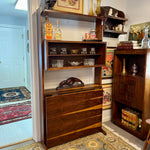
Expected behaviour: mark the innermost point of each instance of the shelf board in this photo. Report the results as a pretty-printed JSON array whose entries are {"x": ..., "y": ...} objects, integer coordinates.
[
  {"x": 129, "y": 75},
  {"x": 117, "y": 18},
  {"x": 130, "y": 130},
  {"x": 50, "y": 92},
  {"x": 73, "y": 67},
  {"x": 131, "y": 51},
  {"x": 74, "y": 55},
  {"x": 69, "y": 15},
  {"x": 75, "y": 42},
  {"x": 115, "y": 32}
]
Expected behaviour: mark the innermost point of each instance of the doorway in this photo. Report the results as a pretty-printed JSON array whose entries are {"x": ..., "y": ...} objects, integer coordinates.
[{"x": 15, "y": 82}]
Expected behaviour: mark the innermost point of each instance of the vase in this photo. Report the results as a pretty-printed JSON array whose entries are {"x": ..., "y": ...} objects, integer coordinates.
[
  {"x": 145, "y": 41},
  {"x": 98, "y": 7},
  {"x": 91, "y": 13},
  {"x": 124, "y": 67}
]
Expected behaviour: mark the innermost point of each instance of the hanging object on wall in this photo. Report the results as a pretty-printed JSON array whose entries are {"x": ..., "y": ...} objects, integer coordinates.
[
  {"x": 91, "y": 13},
  {"x": 98, "y": 7},
  {"x": 50, "y": 4}
]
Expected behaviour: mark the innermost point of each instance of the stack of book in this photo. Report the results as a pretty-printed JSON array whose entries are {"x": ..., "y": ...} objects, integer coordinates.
[
  {"x": 130, "y": 118},
  {"x": 125, "y": 45}
]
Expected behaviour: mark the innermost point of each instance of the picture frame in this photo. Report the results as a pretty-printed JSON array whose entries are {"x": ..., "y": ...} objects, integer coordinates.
[
  {"x": 136, "y": 32},
  {"x": 107, "y": 96},
  {"x": 74, "y": 6},
  {"x": 108, "y": 69}
]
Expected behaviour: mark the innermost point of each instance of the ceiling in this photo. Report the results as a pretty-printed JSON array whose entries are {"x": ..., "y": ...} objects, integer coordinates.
[{"x": 7, "y": 8}]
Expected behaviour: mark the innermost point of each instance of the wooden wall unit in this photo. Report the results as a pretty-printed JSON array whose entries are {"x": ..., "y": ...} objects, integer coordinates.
[
  {"x": 74, "y": 112},
  {"x": 132, "y": 91}
]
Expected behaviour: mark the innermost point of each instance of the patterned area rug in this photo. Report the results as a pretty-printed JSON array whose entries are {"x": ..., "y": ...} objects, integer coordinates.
[
  {"x": 96, "y": 141},
  {"x": 15, "y": 112},
  {"x": 14, "y": 94},
  {"x": 34, "y": 146}
]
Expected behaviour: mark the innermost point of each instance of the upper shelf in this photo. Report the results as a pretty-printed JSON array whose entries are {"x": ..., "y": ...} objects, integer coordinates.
[
  {"x": 75, "y": 42},
  {"x": 117, "y": 32},
  {"x": 69, "y": 15},
  {"x": 117, "y": 18}
]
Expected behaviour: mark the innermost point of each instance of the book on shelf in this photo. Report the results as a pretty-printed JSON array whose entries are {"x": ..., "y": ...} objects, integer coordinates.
[
  {"x": 125, "y": 45},
  {"x": 130, "y": 118}
]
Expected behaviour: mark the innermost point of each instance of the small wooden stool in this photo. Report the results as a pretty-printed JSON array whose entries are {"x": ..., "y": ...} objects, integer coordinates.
[{"x": 148, "y": 136}]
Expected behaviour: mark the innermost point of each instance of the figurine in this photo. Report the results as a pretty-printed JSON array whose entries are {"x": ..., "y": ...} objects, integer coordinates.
[
  {"x": 110, "y": 12},
  {"x": 134, "y": 69},
  {"x": 50, "y": 4}
]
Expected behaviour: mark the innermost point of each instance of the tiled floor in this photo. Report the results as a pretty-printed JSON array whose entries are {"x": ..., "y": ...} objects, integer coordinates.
[{"x": 130, "y": 139}]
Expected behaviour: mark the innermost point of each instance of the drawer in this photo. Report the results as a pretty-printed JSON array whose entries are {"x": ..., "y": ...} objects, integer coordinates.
[
  {"x": 56, "y": 105},
  {"x": 73, "y": 112}
]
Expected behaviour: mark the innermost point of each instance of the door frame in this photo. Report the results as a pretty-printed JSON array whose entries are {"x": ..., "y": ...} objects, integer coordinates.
[{"x": 37, "y": 112}]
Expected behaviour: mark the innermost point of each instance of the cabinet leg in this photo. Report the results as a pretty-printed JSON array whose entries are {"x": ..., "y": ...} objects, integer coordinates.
[{"x": 101, "y": 130}]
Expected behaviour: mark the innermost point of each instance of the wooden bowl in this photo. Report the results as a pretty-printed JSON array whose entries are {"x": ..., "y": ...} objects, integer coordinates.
[{"x": 74, "y": 51}]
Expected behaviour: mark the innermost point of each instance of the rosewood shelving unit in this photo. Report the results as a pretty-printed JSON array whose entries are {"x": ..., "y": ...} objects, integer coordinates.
[
  {"x": 131, "y": 91},
  {"x": 75, "y": 112}
]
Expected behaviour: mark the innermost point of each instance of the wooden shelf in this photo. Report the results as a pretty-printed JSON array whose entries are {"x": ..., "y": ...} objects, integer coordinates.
[
  {"x": 69, "y": 15},
  {"x": 131, "y": 52},
  {"x": 75, "y": 42},
  {"x": 49, "y": 92},
  {"x": 129, "y": 75},
  {"x": 115, "y": 32},
  {"x": 130, "y": 130},
  {"x": 117, "y": 18},
  {"x": 73, "y": 55},
  {"x": 74, "y": 67}
]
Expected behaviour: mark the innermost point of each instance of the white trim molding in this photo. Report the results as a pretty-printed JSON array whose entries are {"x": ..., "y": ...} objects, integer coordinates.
[{"x": 34, "y": 57}]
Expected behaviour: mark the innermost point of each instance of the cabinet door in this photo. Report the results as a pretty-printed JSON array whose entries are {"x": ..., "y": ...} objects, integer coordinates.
[{"x": 128, "y": 91}]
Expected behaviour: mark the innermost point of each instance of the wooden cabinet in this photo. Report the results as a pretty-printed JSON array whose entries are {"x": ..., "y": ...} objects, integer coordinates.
[
  {"x": 74, "y": 112},
  {"x": 131, "y": 91}
]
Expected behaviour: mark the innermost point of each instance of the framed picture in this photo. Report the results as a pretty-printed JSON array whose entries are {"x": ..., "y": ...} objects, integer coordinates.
[
  {"x": 107, "y": 96},
  {"x": 107, "y": 70},
  {"x": 136, "y": 32},
  {"x": 75, "y": 6}
]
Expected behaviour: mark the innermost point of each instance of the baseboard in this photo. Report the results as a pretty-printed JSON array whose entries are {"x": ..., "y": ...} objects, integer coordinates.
[
  {"x": 105, "y": 119},
  {"x": 106, "y": 116}
]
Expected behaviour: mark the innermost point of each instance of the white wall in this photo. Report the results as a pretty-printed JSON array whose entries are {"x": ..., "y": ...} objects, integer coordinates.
[
  {"x": 120, "y": 5},
  {"x": 137, "y": 12}
]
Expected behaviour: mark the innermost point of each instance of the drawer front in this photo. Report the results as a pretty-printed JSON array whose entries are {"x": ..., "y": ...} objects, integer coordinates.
[
  {"x": 56, "y": 105},
  {"x": 74, "y": 112}
]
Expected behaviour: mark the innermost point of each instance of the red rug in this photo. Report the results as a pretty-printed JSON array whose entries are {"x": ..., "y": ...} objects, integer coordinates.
[{"x": 15, "y": 112}]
